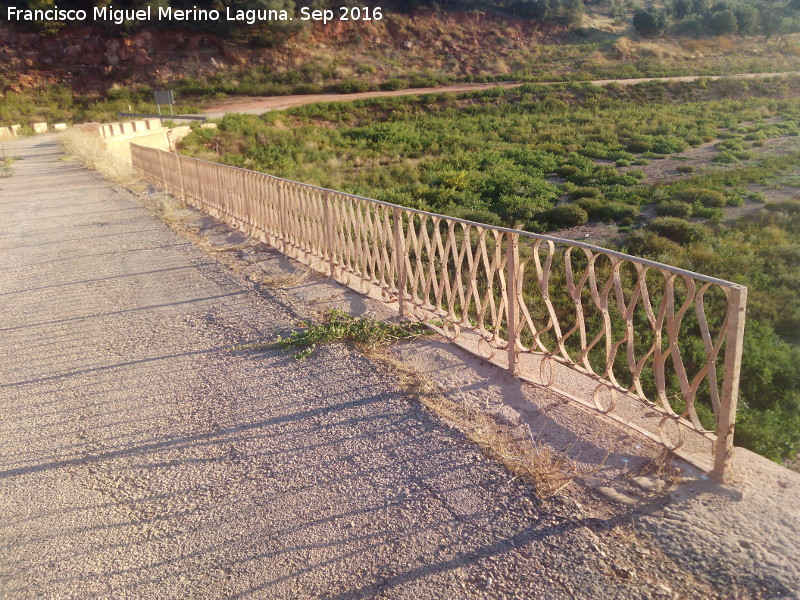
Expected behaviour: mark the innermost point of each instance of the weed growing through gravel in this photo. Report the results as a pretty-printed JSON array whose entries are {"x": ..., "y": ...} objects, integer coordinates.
[
  {"x": 5, "y": 163},
  {"x": 362, "y": 332}
]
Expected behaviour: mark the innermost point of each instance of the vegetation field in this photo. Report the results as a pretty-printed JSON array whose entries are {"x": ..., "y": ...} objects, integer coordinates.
[
  {"x": 57, "y": 103},
  {"x": 549, "y": 158},
  {"x": 91, "y": 75}
]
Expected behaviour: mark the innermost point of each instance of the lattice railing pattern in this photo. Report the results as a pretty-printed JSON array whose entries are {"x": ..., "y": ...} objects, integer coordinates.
[{"x": 652, "y": 346}]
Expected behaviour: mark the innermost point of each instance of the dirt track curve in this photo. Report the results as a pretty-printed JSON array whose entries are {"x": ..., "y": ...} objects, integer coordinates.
[{"x": 257, "y": 106}]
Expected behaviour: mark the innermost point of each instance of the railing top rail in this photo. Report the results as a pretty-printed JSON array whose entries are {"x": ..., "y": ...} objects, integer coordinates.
[{"x": 527, "y": 234}]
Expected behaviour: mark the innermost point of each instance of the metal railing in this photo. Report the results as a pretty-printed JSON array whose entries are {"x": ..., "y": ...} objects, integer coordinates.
[{"x": 651, "y": 346}]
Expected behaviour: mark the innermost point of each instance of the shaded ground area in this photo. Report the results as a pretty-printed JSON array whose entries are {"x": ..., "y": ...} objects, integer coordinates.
[{"x": 141, "y": 458}]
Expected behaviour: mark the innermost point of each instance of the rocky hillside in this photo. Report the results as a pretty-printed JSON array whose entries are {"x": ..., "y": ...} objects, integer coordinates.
[{"x": 89, "y": 59}]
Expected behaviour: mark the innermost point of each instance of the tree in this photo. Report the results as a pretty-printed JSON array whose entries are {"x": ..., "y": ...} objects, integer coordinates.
[
  {"x": 650, "y": 22},
  {"x": 573, "y": 12},
  {"x": 680, "y": 9},
  {"x": 746, "y": 19},
  {"x": 723, "y": 22}
]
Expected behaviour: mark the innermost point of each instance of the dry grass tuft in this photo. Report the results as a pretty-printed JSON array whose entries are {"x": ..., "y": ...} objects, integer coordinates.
[
  {"x": 703, "y": 46},
  {"x": 285, "y": 281},
  {"x": 5, "y": 163},
  {"x": 90, "y": 151},
  {"x": 516, "y": 448},
  {"x": 664, "y": 468}
]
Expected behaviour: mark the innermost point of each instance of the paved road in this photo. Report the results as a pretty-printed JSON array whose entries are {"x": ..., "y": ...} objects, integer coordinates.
[
  {"x": 139, "y": 458},
  {"x": 257, "y": 106}
]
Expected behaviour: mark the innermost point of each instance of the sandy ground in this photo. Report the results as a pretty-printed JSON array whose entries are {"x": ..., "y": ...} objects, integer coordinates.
[{"x": 257, "y": 106}]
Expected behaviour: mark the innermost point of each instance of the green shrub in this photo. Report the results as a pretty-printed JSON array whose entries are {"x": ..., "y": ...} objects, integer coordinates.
[
  {"x": 723, "y": 22},
  {"x": 567, "y": 171},
  {"x": 678, "y": 230},
  {"x": 674, "y": 208},
  {"x": 651, "y": 245},
  {"x": 308, "y": 88},
  {"x": 684, "y": 169},
  {"x": 694, "y": 140},
  {"x": 603, "y": 210},
  {"x": 732, "y": 144},
  {"x": 566, "y": 215},
  {"x": 704, "y": 196},
  {"x": 639, "y": 146},
  {"x": 791, "y": 207},
  {"x": 669, "y": 144},
  {"x": 705, "y": 212},
  {"x": 623, "y": 162},
  {"x": 394, "y": 84},
  {"x": 726, "y": 158},
  {"x": 585, "y": 192},
  {"x": 352, "y": 86},
  {"x": 478, "y": 216},
  {"x": 521, "y": 209},
  {"x": 734, "y": 200}
]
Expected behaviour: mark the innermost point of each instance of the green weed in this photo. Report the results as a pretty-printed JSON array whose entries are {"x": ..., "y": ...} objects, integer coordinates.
[{"x": 363, "y": 333}]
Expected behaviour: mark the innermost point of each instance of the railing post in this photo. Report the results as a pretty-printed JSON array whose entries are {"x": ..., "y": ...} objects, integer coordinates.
[
  {"x": 161, "y": 164},
  {"x": 329, "y": 233},
  {"x": 512, "y": 300},
  {"x": 179, "y": 158},
  {"x": 400, "y": 258},
  {"x": 282, "y": 192},
  {"x": 726, "y": 419}
]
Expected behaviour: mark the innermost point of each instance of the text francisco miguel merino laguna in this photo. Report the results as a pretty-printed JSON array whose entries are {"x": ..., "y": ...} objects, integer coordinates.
[{"x": 119, "y": 16}]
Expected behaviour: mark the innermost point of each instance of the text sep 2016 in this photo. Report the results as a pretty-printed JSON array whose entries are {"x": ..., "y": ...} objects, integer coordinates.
[{"x": 250, "y": 17}]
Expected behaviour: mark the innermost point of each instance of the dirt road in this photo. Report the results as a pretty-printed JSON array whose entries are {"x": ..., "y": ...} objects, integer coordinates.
[{"x": 257, "y": 106}]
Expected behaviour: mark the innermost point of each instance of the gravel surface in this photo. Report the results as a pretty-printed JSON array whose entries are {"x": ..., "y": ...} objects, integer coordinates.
[{"x": 143, "y": 456}]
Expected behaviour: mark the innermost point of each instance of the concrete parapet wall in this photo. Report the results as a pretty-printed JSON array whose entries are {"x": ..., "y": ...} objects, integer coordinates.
[
  {"x": 9, "y": 132},
  {"x": 39, "y": 127},
  {"x": 147, "y": 132},
  {"x": 120, "y": 145}
]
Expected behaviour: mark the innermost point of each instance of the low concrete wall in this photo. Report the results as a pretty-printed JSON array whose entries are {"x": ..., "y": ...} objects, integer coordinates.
[
  {"x": 120, "y": 145},
  {"x": 39, "y": 127},
  {"x": 9, "y": 132},
  {"x": 112, "y": 130},
  {"x": 149, "y": 133}
]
